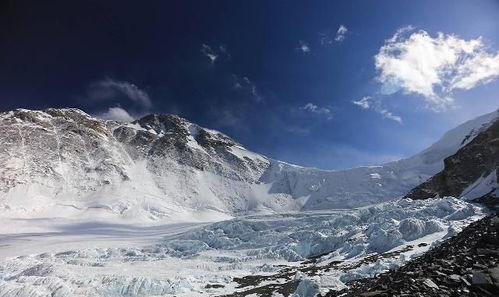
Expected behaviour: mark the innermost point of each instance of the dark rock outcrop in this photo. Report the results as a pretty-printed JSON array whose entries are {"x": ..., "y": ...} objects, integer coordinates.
[
  {"x": 478, "y": 159},
  {"x": 464, "y": 265},
  {"x": 468, "y": 263}
]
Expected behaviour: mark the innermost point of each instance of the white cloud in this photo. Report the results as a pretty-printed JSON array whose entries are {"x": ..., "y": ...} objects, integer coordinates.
[
  {"x": 304, "y": 48},
  {"x": 209, "y": 52},
  {"x": 389, "y": 115},
  {"x": 110, "y": 88},
  {"x": 434, "y": 66},
  {"x": 400, "y": 32},
  {"x": 364, "y": 103},
  {"x": 481, "y": 69},
  {"x": 116, "y": 114},
  {"x": 322, "y": 111},
  {"x": 328, "y": 38},
  {"x": 369, "y": 102},
  {"x": 215, "y": 53},
  {"x": 340, "y": 33}
]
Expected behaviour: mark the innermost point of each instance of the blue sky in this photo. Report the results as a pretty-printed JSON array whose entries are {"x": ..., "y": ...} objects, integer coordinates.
[{"x": 316, "y": 83}]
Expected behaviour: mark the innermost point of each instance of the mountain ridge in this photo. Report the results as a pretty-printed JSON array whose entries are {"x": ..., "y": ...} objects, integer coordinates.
[
  {"x": 470, "y": 173},
  {"x": 59, "y": 161}
]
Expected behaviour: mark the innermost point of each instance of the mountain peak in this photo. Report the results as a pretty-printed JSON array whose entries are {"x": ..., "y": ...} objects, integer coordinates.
[{"x": 162, "y": 164}]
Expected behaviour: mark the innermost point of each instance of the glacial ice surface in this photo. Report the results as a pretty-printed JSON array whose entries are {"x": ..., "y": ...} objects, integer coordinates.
[{"x": 183, "y": 264}]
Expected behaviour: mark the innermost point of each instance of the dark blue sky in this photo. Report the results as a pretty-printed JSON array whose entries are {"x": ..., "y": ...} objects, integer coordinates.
[{"x": 284, "y": 78}]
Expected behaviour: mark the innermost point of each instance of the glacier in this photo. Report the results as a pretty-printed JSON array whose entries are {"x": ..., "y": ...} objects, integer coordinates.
[
  {"x": 161, "y": 206},
  {"x": 207, "y": 259}
]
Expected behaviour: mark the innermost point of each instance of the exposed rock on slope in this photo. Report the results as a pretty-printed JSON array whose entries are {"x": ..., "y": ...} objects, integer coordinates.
[
  {"x": 468, "y": 263},
  {"x": 63, "y": 162},
  {"x": 470, "y": 173},
  {"x": 464, "y": 265},
  {"x": 64, "y": 157}
]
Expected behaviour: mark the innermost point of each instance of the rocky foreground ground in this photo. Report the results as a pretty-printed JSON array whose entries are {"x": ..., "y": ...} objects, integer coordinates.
[{"x": 464, "y": 265}]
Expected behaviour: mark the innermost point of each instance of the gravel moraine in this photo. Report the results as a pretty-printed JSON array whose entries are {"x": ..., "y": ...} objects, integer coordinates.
[{"x": 464, "y": 265}]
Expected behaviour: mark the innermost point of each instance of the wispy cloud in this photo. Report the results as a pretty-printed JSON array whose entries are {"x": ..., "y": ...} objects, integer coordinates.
[
  {"x": 208, "y": 52},
  {"x": 325, "y": 39},
  {"x": 399, "y": 33},
  {"x": 369, "y": 102},
  {"x": 228, "y": 118},
  {"x": 317, "y": 110},
  {"x": 341, "y": 33},
  {"x": 119, "y": 93},
  {"x": 329, "y": 37},
  {"x": 109, "y": 89},
  {"x": 434, "y": 66},
  {"x": 303, "y": 46},
  {"x": 244, "y": 84},
  {"x": 215, "y": 53}
]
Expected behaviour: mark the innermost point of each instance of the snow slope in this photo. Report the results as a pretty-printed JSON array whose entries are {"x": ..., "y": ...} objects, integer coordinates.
[
  {"x": 366, "y": 185},
  {"x": 471, "y": 173},
  {"x": 65, "y": 163}
]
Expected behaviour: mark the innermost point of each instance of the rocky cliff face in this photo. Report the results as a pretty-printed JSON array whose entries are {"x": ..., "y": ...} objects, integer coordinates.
[
  {"x": 470, "y": 173},
  {"x": 164, "y": 138},
  {"x": 64, "y": 162}
]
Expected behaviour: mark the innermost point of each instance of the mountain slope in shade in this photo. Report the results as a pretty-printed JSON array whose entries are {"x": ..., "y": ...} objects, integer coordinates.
[
  {"x": 63, "y": 162},
  {"x": 470, "y": 173}
]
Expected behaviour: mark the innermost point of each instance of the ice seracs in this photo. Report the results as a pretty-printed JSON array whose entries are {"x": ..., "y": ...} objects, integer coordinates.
[{"x": 206, "y": 260}]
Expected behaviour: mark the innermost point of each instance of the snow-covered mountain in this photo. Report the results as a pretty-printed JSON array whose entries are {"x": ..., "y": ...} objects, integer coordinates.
[
  {"x": 73, "y": 188},
  {"x": 471, "y": 173},
  {"x": 64, "y": 162}
]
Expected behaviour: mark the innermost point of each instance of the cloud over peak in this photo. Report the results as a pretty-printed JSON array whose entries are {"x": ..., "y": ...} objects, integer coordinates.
[
  {"x": 109, "y": 88},
  {"x": 120, "y": 93},
  {"x": 116, "y": 114},
  {"x": 434, "y": 66}
]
